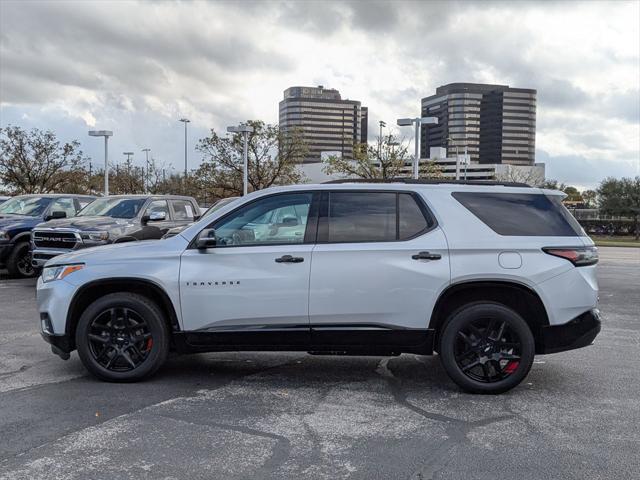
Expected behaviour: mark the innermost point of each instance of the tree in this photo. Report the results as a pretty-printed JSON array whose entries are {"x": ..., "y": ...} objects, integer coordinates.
[
  {"x": 388, "y": 159},
  {"x": 530, "y": 176},
  {"x": 273, "y": 156},
  {"x": 621, "y": 197},
  {"x": 36, "y": 162},
  {"x": 573, "y": 194},
  {"x": 590, "y": 198}
]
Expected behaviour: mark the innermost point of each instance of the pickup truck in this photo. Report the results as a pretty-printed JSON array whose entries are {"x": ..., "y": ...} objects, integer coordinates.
[{"x": 113, "y": 219}]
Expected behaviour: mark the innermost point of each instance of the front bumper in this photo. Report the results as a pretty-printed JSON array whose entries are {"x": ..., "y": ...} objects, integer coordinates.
[
  {"x": 41, "y": 256},
  {"x": 579, "y": 332}
]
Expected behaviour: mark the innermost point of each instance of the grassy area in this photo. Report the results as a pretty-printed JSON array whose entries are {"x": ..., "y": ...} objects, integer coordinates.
[{"x": 604, "y": 241}]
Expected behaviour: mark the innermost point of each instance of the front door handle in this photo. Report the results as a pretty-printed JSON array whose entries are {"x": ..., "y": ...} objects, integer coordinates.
[
  {"x": 289, "y": 259},
  {"x": 426, "y": 256}
]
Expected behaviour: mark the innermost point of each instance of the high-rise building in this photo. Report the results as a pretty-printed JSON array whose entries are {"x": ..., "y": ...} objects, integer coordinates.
[
  {"x": 329, "y": 124},
  {"x": 496, "y": 123}
]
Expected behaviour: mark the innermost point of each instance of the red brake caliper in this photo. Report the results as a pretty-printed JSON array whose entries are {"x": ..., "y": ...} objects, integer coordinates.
[{"x": 511, "y": 367}]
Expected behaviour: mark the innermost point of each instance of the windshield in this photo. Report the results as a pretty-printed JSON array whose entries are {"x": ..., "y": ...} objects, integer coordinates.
[
  {"x": 219, "y": 204},
  {"x": 30, "y": 206},
  {"x": 113, "y": 207}
]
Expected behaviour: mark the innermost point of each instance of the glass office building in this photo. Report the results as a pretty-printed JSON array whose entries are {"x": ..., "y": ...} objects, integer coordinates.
[
  {"x": 330, "y": 125},
  {"x": 496, "y": 123}
]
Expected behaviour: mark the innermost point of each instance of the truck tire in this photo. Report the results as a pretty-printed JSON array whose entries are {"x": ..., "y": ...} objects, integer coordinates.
[
  {"x": 19, "y": 261},
  {"x": 486, "y": 347},
  {"x": 122, "y": 337}
]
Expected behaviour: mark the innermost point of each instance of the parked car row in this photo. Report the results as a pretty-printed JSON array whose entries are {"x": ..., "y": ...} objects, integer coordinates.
[{"x": 36, "y": 228}]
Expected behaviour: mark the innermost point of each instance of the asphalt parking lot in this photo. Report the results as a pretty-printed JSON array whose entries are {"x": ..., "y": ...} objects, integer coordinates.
[{"x": 278, "y": 415}]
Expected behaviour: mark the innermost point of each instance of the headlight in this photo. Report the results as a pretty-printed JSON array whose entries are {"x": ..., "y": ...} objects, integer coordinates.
[
  {"x": 59, "y": 272},
  {"x": 95, "y": 236},
  {"x": 3, "y": 235}
]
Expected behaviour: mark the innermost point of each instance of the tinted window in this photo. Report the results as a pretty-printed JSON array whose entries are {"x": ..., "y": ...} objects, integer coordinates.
[
  {"x": 182, "y": 209},
  {"x": 362, "y": 217},
  {"x": 280, "y": 219},
  {"x": 516, "y": 214},
  {"x": 411, "y": 220}
]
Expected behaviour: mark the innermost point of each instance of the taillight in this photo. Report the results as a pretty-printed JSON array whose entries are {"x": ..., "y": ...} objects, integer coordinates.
[{"x": 579, "y": 256}]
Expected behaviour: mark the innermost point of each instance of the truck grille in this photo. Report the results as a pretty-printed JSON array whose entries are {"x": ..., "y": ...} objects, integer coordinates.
[{"x": 66, "y": 240}]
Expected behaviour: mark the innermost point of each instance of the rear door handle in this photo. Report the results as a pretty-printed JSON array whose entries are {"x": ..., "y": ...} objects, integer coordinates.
[
  {"x": 426, "y": 256},
  {"x": 289, "y": 259}
]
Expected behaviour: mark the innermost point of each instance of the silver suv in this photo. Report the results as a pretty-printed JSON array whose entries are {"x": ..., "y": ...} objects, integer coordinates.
[{"x": 486, "y": 276}]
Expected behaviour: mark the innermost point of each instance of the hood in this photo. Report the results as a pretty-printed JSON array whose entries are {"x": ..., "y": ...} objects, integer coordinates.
[
  {"x": 12, "y": 222},
  {"x": 89, "y": 223},
  {"x": 123, "y": 253}
]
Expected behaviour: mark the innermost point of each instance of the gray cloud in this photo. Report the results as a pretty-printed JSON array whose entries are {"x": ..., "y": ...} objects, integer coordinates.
[{"x": 136, "y": 65}]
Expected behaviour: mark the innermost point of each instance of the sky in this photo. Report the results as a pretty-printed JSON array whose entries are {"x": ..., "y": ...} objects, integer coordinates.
[{"x": 137, "y": 67}]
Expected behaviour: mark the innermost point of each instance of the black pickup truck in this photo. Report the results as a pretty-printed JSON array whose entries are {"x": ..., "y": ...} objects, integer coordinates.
[{"x": 113, "y": 219}]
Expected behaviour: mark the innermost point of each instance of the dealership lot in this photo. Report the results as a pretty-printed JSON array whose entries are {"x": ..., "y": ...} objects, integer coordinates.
[{"x": 267, "y": 415}]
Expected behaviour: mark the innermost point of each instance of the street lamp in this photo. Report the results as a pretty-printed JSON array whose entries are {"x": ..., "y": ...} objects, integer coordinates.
[
  {"x": 185, "y": 121},
  {"x": 418, "y": 121},
  {"x": 106, "y": 134},
  {"x": 382, "y": 124},
  {"x": 146, "y": 180},
  {"x": 245, "y": 130},
  {"x": 129, "y": 155}
]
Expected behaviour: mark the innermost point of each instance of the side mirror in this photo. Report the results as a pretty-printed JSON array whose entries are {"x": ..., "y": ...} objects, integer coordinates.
[
  {"x": 55, "y": 215},
  {"x": 289, "y": 222},
  {"x": 154, "y": 216},
  {"x": 206, "y": 239}
]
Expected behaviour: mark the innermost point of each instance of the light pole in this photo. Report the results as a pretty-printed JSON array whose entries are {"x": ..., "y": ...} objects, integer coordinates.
[
  {"x": 106, "y": 134},
  {"x": 129, "y": 155},
  {"x": 245, "y": 130},
  {"x": 146, "y": 178},
  {"x": 417, "y": 122},
  {"x": 382, "y": 124},
  {"x": 185, "y": 121}
]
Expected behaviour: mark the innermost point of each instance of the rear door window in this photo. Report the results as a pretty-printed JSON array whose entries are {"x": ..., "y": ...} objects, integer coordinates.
[
  {"x": 183, "y": 210},
  {"x": 374, "y": 217},
  {"x": 521, "y": 214}
]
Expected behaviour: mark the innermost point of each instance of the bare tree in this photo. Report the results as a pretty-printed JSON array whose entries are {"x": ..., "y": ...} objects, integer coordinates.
[
  {"x": 388, "y": 159},
  {"x": 273, "y": 156},
  {"x": 36, "y": 162}
]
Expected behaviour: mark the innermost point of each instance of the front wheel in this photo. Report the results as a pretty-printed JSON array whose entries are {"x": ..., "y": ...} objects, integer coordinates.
[
  {"x": 19, "y": 262},
  {"x": 486, "y": 348},
  {"x": 122, "y": 337}
]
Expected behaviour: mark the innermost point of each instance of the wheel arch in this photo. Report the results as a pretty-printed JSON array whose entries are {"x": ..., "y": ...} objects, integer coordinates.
[
  {"x": 91, "y": 291},
  {"x": 519, "y": 297}
]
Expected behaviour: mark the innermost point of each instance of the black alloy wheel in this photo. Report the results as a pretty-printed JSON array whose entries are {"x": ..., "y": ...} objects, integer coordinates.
[
  {"x": 486, "y": 347},
  {"x": 122, "y": 337},
  {"x": 119, "y": 339},
  {"x": 488, "y": 350},
  {"x": 19, "y": 262}
]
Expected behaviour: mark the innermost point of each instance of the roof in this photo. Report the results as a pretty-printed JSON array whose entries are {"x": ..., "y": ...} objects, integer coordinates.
[
  {"x": 150, "y": 195},
  {"x": 424, "y": 181},
  {"x": 55, "y": 195}
]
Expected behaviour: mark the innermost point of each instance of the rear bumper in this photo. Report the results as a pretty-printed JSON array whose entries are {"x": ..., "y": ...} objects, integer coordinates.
[{"x": 579, "y": 332}]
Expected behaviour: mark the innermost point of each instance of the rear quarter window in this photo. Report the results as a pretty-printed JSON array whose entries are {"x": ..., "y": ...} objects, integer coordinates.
[{"x": 521, "y": 214}]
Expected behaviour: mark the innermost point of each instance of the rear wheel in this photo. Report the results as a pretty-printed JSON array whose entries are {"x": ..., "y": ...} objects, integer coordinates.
[
  {"x": 19, "y": 261},
  {"x": 122, "y": 337},
  {"x": 486, "y": 348}
]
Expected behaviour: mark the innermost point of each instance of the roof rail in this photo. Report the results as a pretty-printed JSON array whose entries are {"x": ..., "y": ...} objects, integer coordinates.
[{"x": 428, "y": 181}]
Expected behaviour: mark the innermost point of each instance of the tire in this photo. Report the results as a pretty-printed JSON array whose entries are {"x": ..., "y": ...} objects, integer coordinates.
[
  {"x": 486, "y": 348},
  {"x": 19, "y": 261},
  {"x": 122, "y": 337}
]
